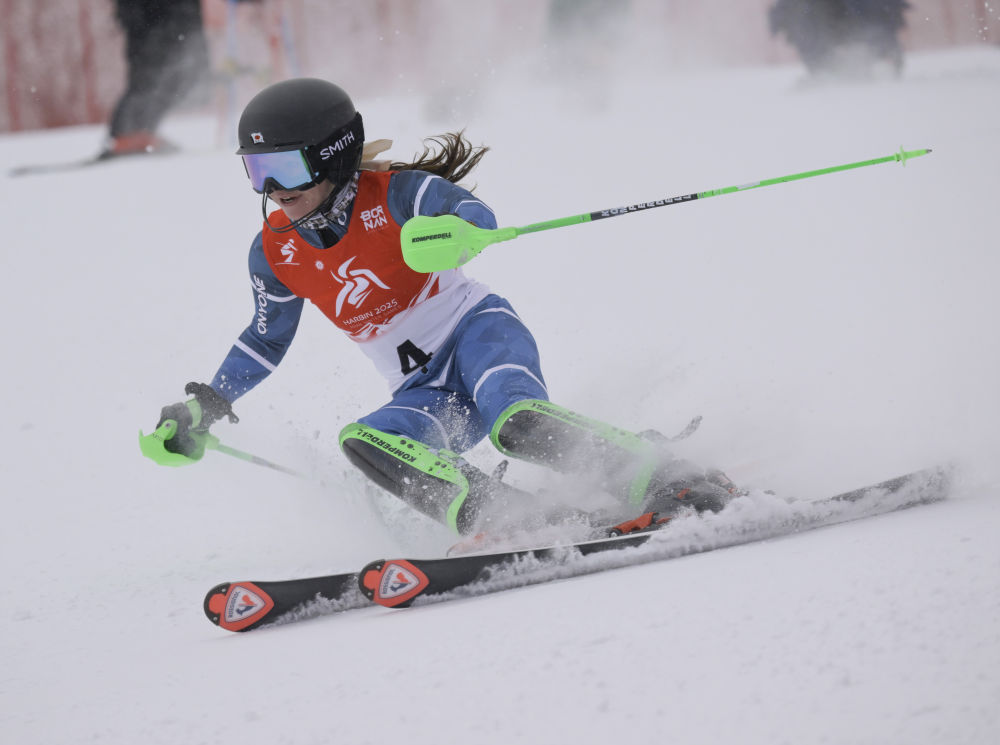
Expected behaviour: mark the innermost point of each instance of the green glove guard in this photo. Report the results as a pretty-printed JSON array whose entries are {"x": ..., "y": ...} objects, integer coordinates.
[
  {"x": 434, "y": 244},
  {"x": 153, "y": 445}
]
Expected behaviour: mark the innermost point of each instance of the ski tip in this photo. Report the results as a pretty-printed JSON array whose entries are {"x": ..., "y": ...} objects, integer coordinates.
[
  {"x": 237, "y": 606},
  {"x": 368, "y": 579},
  {"x": 215, "y": 602}
]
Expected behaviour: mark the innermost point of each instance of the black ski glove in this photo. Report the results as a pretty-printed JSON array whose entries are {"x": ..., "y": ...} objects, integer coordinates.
[{"x": 195, "y": 415}]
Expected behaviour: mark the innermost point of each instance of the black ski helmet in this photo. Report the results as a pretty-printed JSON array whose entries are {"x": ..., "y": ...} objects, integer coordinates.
[{"x": 307, "y": 114}]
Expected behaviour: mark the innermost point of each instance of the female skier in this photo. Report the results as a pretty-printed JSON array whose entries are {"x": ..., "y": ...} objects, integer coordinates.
[{"x": 460, "y": 363}]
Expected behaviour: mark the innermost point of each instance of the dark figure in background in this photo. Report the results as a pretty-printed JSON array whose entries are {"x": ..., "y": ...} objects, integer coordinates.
[
  {"x": 842, "y": 38},
  {"x": 166, "y": 51}
]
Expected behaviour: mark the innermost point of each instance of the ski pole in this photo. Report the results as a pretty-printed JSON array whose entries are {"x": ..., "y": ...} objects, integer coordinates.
[
  {"x": 153, "y": 447},
  {"x": 433, "y": 244},
  {"x": 212, "y": 443}
]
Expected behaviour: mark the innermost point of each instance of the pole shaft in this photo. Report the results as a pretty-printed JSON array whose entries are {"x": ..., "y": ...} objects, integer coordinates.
[
  {"x": 797, "y": 176},
  {"x": 902, "y": 156},
  {"x": 250, "y": 458}
]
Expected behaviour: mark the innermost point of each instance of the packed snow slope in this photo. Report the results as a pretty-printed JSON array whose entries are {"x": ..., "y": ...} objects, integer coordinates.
[{"x": 832, "y": 332}]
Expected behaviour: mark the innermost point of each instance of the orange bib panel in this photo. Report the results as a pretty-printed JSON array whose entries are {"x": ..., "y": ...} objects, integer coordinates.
[{"x": 362, "y": 281}]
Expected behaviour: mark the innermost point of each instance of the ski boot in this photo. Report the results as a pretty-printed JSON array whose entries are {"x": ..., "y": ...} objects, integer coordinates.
[
  {"x": 671, "y": 495},
  {"x": 709, "y": 493},
  {"x": 141, "y": 142}
]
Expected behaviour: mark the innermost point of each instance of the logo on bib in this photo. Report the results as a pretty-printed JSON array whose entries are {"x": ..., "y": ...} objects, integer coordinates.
[
  {"x": 374, "y": 218},
  {"x": 288, "y": 251},
  {"x": 358, "y": 284}
]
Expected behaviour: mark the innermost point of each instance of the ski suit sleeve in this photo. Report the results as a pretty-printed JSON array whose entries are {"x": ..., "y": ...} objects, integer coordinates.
[
  {"x": 262, "y": 345},
  {"x": 413, "y": 193}
]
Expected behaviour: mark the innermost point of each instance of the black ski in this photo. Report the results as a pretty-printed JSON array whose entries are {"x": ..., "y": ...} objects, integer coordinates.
[
  {"x": 58, "y": 167},
  {"x": 65, "y": 166},
  {"x": 242, "y": 606},
  {"x": 398, "y": 583}
]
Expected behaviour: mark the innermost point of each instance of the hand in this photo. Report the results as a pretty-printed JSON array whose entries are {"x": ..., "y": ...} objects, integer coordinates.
[
  {"x": 193, "y": 418},
  {"x": 181, "y": 441}
]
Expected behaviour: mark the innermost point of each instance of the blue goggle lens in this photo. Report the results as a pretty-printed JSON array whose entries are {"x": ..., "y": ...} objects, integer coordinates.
[{"x": 287, "y": 170}]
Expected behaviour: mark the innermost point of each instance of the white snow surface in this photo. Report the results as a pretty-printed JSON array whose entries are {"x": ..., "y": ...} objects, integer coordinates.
[{"x": 832, "y": 332}]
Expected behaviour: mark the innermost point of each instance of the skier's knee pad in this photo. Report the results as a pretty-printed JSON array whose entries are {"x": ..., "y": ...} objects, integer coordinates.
[
  {"x": 547, "y": 434},
  {"x": 428, "y": 481}
]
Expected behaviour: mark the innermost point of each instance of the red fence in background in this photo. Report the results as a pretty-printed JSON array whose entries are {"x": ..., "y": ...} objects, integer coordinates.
[{"x": 62, "y": 61}]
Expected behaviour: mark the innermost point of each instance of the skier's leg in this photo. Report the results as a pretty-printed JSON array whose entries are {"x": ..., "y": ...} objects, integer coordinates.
[
  {"x": 496, "y": 360},
  {"x": 166, "y": 52},
  {"x": 410, "y": 448}
]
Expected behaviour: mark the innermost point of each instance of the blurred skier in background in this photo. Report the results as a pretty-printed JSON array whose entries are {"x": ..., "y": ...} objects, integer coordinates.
[
  {"x": 843, "y": 38},
  {"x": 166, "y": 52},
  {"x": 460, "y": 362}
]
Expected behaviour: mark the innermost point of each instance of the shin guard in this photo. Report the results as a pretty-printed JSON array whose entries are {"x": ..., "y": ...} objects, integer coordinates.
[
  {"x": 437, "y": 483},
  {"x": 428, "y": 481},
  {"x": 544, "y": 433}
]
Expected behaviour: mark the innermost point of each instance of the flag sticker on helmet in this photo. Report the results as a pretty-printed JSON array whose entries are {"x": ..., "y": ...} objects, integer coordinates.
[{"x": 257, "y": 137}]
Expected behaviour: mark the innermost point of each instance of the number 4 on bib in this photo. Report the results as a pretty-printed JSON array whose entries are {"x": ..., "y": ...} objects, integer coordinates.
[{"x": 411, "y": 357}]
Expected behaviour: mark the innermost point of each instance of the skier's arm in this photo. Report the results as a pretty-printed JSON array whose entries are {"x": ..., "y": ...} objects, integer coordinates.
[
  {"x": 255, "y": 354},
  {"x": 262, "y": 345},
  {"x": 413, "y": 193}
]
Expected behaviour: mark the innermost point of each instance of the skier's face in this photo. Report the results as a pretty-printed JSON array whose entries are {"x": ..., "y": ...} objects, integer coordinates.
[{"x": 296, "y": 203}]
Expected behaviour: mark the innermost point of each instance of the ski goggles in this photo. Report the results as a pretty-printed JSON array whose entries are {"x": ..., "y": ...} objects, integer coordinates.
[{"x": 288, "y": 169}]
